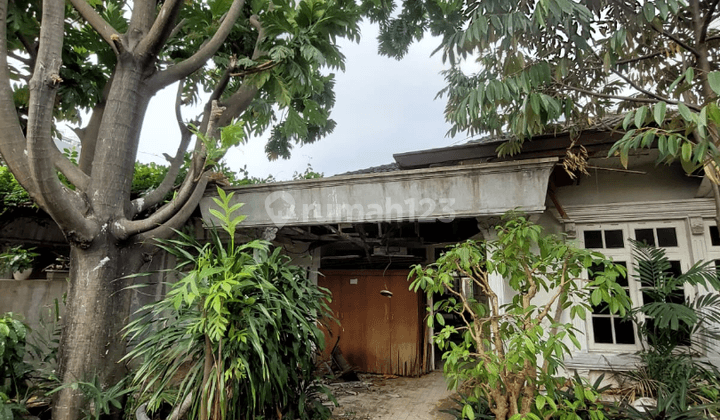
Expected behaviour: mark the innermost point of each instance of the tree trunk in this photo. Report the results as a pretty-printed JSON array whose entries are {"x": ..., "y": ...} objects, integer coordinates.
[{"x": 99, "y": 307}]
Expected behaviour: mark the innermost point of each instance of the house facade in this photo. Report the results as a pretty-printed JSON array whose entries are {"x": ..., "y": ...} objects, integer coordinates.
[{"x": 362, "y": 231}]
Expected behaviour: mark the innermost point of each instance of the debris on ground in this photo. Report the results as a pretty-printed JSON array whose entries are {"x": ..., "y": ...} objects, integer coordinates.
[{"x": 374, "y": 396}]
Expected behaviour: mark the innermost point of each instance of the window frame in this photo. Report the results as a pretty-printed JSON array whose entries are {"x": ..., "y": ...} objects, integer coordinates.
[{"x": 681, "y": 252}]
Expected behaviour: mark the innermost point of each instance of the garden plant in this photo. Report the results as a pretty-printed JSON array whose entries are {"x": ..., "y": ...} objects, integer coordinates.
[
  {"x": 235, "y": 337},
  {"x": 510, "y": 354},
  {"x": 676, "y": 331}
]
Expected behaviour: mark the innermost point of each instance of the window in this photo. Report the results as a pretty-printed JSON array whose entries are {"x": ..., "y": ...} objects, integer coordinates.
[
  {"x": 610, "y": 328},
  {"x": 606, "y": 330}
]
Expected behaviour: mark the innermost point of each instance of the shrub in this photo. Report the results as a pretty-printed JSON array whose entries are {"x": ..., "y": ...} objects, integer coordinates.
[
  {"x": 241, "y": 320},
  {"x": 507, "y": 353},
  {"x": 673, "y": 329}
]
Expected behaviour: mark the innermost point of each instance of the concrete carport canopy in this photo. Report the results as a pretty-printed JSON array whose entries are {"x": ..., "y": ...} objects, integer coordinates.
[{"x": 444, "y": 193}]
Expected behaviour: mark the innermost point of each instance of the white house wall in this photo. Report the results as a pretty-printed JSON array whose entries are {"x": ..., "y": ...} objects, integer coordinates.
[
  {"x": 663, "y": 196},
  {"x": 659, "y": 183}
]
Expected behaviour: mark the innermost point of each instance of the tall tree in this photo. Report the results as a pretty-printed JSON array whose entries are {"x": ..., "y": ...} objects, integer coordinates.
[
  {"x": 546, "y": 65},
  {"x": 257, "y": 63}
]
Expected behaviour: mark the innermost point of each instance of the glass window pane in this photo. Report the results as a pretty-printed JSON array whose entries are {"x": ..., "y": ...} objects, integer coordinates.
[
  {"x": 667, "y": 237},
  {"x": 622, "y": 281},
  {"x": 645, "y": 235},
  {"x": 602, "y": 330},
  {"x": 614, "y": 239},
  {"x": 714, "y": 235},
  {"x": 593, "y": 239},
  {"x": 675, "y": 269},
  {"x": 594, "y": 269},
  {"x": 624, "y": 332},
  {"x": 601, "y": 309}
]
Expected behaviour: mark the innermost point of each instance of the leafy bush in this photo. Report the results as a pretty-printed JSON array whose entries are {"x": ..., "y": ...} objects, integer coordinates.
[
  {"x": 28, "y": 361},
  {"x": 507, "y": 353},
  {"x": 14, "y": 371},
  {"x": 236, "y": 335},
  {"x": 102, "y": 399},
  {"x": 13, "y": 195},
  {"x": 148, "y": 176},
  {"x": 665, "y": 320},
  {"x": 673, "y": 329},
  {"x": 17, "y": 258},
  {"x": 480, "y": 408}
]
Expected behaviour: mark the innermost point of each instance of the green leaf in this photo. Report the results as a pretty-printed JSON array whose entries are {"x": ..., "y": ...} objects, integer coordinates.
[
  {"x": 686, "y": 151},
  {"x": 468, "y": 412},
  {"x": 659, "y": 113},
  {"x": 540, "y": 402},
  {"x": 685, "y": 112},
  {"x": 648, "y": 138},
  {"x": 640, "y": 116},
  {"x": 689, "y": 75},
  {"x": 649, "y": 11},
  {"x": 714, "y": 81},
  {"x": 702, "y": 119},
  {"x": 628, "y": 118}
]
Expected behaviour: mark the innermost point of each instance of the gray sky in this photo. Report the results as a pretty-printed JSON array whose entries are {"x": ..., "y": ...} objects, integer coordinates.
[{"x": 383, "y": 106}]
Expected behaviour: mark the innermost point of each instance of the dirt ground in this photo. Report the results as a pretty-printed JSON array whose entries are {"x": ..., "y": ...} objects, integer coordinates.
[{"x": 387, "y": 397}]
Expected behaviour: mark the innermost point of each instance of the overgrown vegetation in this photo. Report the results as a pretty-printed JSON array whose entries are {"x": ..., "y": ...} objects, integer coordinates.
[
  {"x": 505, "y": 354},
  {"x": 14, "y": 371},
  {"x": 11, "y": 193},
  {"x": 236, "y": 335},
  {"x": 676, "y": 330},
  {"x": 507, "y": 357}
]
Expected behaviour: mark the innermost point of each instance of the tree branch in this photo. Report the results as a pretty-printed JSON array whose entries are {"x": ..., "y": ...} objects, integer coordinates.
[
  {"x": 255, "y": 22},
  {"x": 76, "y": 177},
  {"x": 196, "y": 61},
  {"x": 676, "y": 40},
  {"x": 107, "y": 32},
  {"x": 643, "y": 90},
  {"x": 177, "y": 28},
  {"x": 708, "y": 18},
  {"x": 622, "y": 98},
  {"x": 123, "y": 229},
  {"x": 61, "y": 203},
  {"x": 12, "y": 141},
  {"x": 155, "y": 196},
  {"x": 237, "y": 104},
  {"x": 167, "y": 230},
  {"x": 150, "y": 45},
  {"x": 641, "y": 58},
  {"x": 29, "y": 47},
  {"x": 143, "y": 16},
  {"x": 88, "y": 136}
]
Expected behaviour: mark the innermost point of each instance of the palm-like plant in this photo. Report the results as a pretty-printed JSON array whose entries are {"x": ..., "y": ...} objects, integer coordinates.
[
  {"x": 668, "y": 320},
  {"x": 675, "y": 329}
]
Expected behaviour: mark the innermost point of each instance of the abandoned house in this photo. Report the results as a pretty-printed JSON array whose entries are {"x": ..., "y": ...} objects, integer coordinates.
[{"x": 361, "y": 231}]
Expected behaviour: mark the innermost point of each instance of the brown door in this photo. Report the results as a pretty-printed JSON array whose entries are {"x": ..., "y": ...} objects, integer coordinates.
[{"x": 378, "y": 334}]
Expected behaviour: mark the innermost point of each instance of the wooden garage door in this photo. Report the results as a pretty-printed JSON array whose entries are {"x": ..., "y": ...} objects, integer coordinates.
[{"x": 378, "y": 334}]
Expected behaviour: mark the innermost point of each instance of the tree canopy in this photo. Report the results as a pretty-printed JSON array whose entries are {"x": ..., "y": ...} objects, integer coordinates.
[{"x": 566, "y": 65}]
